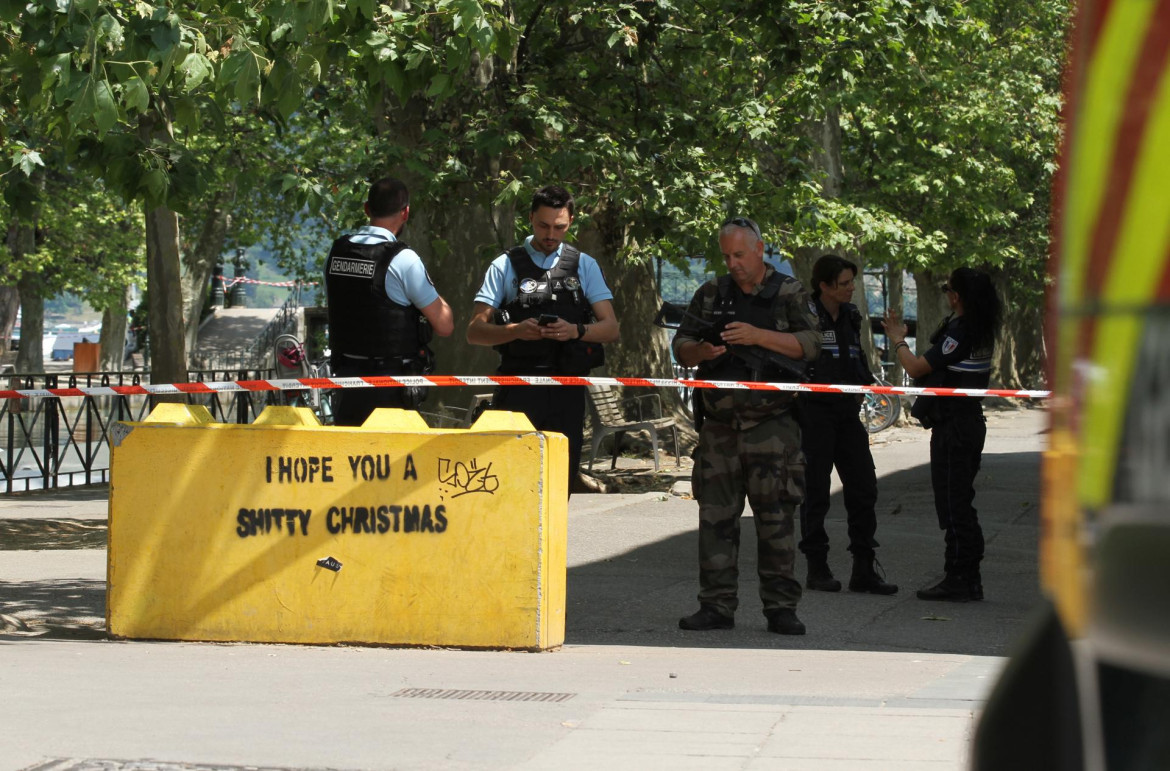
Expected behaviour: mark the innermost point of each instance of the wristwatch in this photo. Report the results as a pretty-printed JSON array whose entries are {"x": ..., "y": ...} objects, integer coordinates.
[{"x": 580, "y": 331}]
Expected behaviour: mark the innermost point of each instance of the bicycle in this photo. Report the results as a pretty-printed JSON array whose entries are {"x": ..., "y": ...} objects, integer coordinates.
[
  {"x": 322, "y": 398},
  {"x": 293, "y": 363},
  {"x": 880, "y": 411}
]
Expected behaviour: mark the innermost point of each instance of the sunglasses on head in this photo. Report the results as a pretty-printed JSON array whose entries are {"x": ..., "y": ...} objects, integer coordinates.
[{"x": 744, "y": 222}]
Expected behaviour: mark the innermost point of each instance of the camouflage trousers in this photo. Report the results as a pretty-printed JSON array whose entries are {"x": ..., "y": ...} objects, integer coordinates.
[{"x": 765, "y": 464}]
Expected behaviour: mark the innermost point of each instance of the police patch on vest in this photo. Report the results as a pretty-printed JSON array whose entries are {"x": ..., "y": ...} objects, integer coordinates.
[
  {"x": 528, "y": 286},
  {"x": 351, "y": 267},
  {"x": 949, "y": 345}
]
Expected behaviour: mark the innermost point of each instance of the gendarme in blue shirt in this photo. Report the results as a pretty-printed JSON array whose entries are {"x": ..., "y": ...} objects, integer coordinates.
[
  {"x": 407, "y": 281},
  {"x": 501, "y": 285}
]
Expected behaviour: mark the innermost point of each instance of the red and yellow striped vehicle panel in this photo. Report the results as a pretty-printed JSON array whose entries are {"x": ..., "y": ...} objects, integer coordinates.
[{"x": 1111, "y": 265}]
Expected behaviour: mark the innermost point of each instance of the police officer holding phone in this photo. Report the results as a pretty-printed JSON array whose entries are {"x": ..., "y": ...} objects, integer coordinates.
[
  {"x": 749, "y": 441},
  {"x": 544, "y": 305}
]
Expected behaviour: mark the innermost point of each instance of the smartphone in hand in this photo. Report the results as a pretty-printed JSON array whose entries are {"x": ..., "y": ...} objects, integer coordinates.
[{"x": 546, "y": 319}]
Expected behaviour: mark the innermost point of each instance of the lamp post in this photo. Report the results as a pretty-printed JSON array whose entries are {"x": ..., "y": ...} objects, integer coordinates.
[
  {"x": 237, "y": 295},
  {"x": 217, "y": 296}
]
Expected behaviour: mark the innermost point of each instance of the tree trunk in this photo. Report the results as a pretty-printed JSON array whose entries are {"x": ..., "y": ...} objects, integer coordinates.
[
  {"x": 643, "y": 349},
  {"x": 9, "y": 306},
  {"x": 21, "y": 240},
  {"x": 830, "y": 161},
  {"x": 200, "y": 261},
  {"x": 456, "y": 243},
  {"x": 164, "y": 280},
  {"x": 31, "y": 357},
  {"x": 803, "y": 259},
  {"x": 895, "y": 291},
  {"x": 1019, "y": 353},
  {"x": 457, "y": 262},
  {"x": 826, "y": 132},
  {"x": 114, "y": 335},
  {"x": 168, "y": 353},
  {"x": 932, "y": 307}
]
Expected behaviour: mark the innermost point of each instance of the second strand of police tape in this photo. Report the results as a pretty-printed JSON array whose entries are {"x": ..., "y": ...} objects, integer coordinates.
[{"x": 439, "y": 381}]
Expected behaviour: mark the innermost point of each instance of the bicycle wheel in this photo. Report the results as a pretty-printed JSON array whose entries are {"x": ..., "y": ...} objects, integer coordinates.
[
  {"x": 880, "y": 411},
  {"x": 322, "y": 398}
]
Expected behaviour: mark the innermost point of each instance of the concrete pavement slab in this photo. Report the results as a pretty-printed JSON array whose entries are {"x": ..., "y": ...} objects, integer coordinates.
[{"x": 310, "y": 707}]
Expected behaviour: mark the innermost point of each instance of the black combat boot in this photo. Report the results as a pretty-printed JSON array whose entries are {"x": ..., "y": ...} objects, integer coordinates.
[
  {"x": 784, "y": 621},
  {"x": 706, "y": 619},
  {"x": 975, "y": 582},
  {"x": 954, "y": 588},
  {"x": 820, "y": 577},
  {"x": 866, "y": 579}
]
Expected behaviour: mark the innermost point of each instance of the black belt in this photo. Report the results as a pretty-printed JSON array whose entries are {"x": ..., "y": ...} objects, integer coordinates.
[
  {"x": 360, "y": 358},
  {"x": 405, "y": 365}
]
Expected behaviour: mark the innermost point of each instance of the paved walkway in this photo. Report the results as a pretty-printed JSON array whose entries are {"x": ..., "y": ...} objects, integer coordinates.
[
  {"x": 878, "y": 683},
  {"x": 227, "y": 337}
]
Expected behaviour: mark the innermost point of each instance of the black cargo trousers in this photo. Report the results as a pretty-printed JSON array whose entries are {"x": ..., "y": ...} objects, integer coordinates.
[{"x": 833, "y": 435}]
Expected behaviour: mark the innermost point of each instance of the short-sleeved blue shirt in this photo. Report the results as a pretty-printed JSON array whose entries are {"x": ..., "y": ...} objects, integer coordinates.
[
  {"x": 501, "y": 285},
  {"x": 407, "y": 281}
]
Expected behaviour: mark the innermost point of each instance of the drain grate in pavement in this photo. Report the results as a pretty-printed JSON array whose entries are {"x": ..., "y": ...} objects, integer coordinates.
[{"x": 448, "y": 693}]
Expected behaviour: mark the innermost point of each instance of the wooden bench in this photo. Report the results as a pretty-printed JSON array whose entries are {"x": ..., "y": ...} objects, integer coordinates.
[
  {"x": 450, "y": 416},
  {"x": 609, "y": 418}
]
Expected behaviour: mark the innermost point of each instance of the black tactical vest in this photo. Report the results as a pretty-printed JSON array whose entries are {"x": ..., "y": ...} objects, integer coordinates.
[
  {"x": 972, "y": 372},
  {"x": 732, "y": 304},
  {"x": 363, "y": 320},
  {"x": 842, "y": 359},
  {"x": 557, "y": 292}
]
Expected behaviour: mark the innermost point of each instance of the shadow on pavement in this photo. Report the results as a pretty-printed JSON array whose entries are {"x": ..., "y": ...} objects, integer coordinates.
[
  {"x": 633, "y": 573},
  {"x": 35, "y": 534},
  {"x": 636, "y": 597},
  {"x": 64, "y": 494},
  {"x": 57, "y": 610}
]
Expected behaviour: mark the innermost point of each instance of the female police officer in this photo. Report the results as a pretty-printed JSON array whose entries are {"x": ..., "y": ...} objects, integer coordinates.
[
  {"x": 959, "y": 357},
  {"x": 832, "y": 435}
]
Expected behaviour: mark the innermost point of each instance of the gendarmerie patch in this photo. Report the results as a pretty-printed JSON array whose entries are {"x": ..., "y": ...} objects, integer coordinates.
[{"x": 348, "y": 266}]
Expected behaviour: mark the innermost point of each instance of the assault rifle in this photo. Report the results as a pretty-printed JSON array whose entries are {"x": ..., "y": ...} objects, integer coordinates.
[{"x": 757, "y": 359}]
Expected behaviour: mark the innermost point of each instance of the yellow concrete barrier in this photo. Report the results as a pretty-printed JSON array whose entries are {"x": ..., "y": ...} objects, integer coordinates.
[{"x": 286, "y": 531}]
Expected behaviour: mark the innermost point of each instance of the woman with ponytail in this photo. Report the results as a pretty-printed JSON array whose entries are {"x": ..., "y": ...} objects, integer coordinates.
[{"x": 959, "y": 357}]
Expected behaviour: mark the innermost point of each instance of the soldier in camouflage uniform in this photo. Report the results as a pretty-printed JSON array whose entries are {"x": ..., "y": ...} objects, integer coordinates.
[{"x": 749, "y": 441}]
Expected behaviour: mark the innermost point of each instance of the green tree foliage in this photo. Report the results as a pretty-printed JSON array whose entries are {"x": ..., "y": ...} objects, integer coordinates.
[
  {"x": 83, "y": 242},
  {"x": 919, "y": 134}
]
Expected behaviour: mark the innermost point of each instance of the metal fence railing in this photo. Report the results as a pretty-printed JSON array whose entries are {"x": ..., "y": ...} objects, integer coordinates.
[{"x": 51, "y": 441}]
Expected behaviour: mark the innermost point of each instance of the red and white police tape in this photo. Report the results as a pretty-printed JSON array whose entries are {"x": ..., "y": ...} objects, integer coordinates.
[
  {"x": 230, "y": 386},
  {"x": 228, "y": 283}
]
